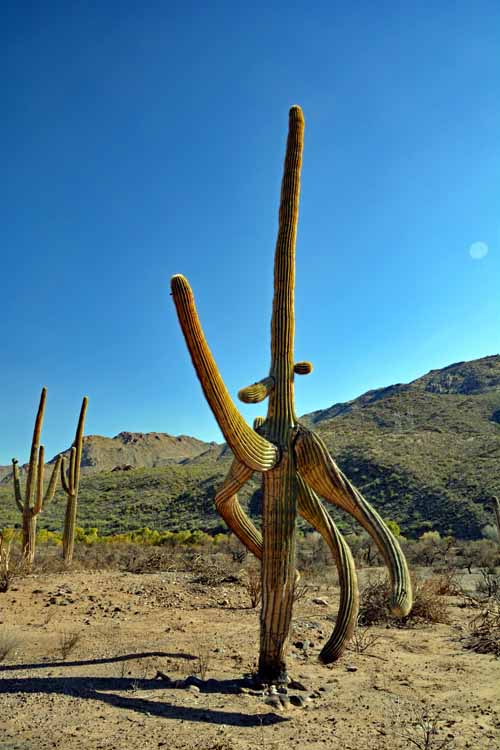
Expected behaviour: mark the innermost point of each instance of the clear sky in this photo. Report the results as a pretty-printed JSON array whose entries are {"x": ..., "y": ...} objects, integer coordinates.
[{"x": 141, "y": 140}]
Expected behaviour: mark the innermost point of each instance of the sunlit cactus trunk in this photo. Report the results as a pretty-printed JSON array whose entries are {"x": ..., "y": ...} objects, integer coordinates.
[
  {"x": 34, "y": 500},
  {"x": 294, "y": 462},
  {"x": 29, "y": 538},
  {"x": 280, "y": 483},
  {"x": 71, "y": 485}
]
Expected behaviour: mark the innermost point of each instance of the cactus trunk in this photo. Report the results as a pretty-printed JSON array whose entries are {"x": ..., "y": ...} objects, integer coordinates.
[
  {"x": 69, "y": 529},
  {"x": 29, "y": 538},
  {"x": 71, "y": 485},
  {"x": 278, "y": 567}
]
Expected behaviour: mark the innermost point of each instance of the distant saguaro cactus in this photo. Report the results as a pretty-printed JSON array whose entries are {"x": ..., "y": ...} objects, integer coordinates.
[
  {"x": 71, "y": 485},
  {"x": 496, "y": 509},
  {"x": 34, "y": 500},
  {"x": 294, "y": 461}
]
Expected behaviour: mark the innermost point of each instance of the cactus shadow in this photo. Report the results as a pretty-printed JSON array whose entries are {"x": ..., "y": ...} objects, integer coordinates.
[
  {"x": 104, "y": 689},
  {"x": 93, "y": 662}
]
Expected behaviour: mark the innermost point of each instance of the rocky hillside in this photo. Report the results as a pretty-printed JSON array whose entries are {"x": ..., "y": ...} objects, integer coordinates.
[
  {"x": 132, "y": 450},
  {"x": 425, "y": 453}
]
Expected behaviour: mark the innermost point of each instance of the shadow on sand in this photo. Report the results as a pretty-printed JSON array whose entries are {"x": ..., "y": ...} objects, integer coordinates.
[{"x": 104, "y": 689}]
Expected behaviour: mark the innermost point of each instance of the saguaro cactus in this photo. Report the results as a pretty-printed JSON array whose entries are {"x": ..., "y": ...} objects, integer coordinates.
[
  {"x": 496, "y": 509},
  {"x": 294, "y": 462},
  {"x": 34, "y": 500},
  {"x": 71, "y": 485}
]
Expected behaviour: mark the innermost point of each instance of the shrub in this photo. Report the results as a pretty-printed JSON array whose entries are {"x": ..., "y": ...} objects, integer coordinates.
[{"x": 428, "y": 605}]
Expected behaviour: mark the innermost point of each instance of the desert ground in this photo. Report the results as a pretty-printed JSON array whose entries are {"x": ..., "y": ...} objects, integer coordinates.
[{"x": 101, "y": 661}]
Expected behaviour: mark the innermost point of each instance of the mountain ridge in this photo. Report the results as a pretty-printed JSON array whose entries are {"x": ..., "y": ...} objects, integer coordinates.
[{"x": 425, "y": 453}]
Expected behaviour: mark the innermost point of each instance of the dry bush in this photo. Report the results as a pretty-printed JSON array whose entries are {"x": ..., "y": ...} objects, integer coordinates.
[
  {"x": 428, "y": 604},
  {"x": 484, "y": 635},
  {"x": 251, "y": 582},
  {"x": 67, "y": 641},
  {"x": 203, "y": 658},
  {"x": 447, "y": 583},
  {"x": 420, "y": 728},
  {"x": 373, "y": 604},
  {"x": 363, "y": 640},
  {"x": 8, "y": 642},
  {"x": 489, "y": 583},
  {"x": 209, "y": 571},
  {"x": 300, "y": 591}
]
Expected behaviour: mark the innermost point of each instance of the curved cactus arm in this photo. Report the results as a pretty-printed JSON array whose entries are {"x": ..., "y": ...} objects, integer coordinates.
[
  {"x": 226, "y": 502},
  {"x": 251, "y": 449},
  {"x": 319, "y": 470},
  {"x": 64, "y": 481},
  {"x": 17, "y": 485},
  {"x": 310, "y": 508},
  {"x": 302, "y": 368},
  {"x": 38, "y": 504},
  {"x": 256, "y": 392},
  {"x": 32, "y": 469},
  {"x": 51, "y": 489},
  {"x": 72, "y": 470}
]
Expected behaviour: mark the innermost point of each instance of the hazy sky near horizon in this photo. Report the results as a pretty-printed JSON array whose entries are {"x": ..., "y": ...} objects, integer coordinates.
[{"x": 146, "y": 139}]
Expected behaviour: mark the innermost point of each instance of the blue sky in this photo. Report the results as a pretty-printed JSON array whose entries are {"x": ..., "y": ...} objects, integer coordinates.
[{"x": 146, "y": 139}]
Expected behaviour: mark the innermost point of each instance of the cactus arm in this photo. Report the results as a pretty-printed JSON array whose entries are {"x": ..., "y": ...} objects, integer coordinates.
[
  {"x": 256, "y": 392},
  {"x": 17, "y": 485},
  {"x": 79, "y": 443},
  {"x": 32, "y": 469},
  {"x": 302, "y": 368},
  {"x": 310, "y": 508},
  {"x": 51, "y": 489},
  {"x": 226, "y": 502},
  {"x": 64, "y": 481},
  {"x": 251, "y": 449},
  {"x": 320, "y": 472},
  {"x": 37, "y": 507},
  {"x": 72, "y": 470}
]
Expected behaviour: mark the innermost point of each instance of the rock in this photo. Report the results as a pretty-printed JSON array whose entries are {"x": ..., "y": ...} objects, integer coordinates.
[
  {"x": 284, "y": 700},
  {"x": 297, "y": 700},
  {"x": 194, "y": 689},
  {"x": 351, "y": 668},
  {"x": 302, "y": 645},
  {"x": 320, "y": 600},
  {"x": 296, "y": 685},
  {"x": 274, "y": 701}
]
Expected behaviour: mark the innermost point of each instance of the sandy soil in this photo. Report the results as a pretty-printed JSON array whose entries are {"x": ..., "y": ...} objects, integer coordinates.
[{"x": 106, "y": 693}]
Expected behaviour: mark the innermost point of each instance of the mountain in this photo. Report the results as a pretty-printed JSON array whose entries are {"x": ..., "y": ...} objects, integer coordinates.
[
  {"x": 131, "y": 450},
  {"x": 425, "y": 453}
]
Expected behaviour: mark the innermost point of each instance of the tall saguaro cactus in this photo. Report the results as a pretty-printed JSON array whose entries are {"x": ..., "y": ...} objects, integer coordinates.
[
  {"x": 295, "y": 463},
  {"x": 34, "y": 500},
  {"x": 71, "y": 485}
]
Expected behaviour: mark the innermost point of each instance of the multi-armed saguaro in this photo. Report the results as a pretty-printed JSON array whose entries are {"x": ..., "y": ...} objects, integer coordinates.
[
  {"x": 294, "y": 462},
  {"x": 71, "y": 484},
  {"x": 34, "y": 498}
]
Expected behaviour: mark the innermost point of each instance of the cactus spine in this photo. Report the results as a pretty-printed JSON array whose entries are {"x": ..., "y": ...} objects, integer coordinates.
[
  {"x": 34, "y": 500},
  {"x": 71, "y": 485},
  {"x": 294, "y": 462}
]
